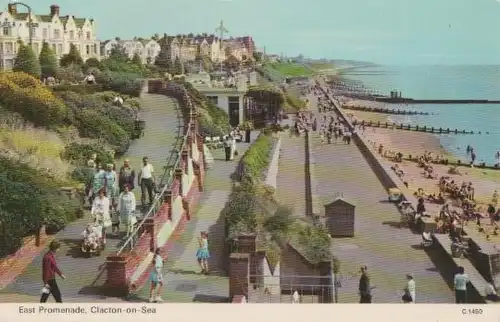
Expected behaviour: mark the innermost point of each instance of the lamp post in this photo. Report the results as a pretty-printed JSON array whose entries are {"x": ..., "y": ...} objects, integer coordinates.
[{"x": 30, "y": 21}]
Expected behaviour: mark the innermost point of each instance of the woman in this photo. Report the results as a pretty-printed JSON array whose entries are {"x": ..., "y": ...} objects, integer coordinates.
[
  {"x": 156, "y": 278},
  {"x": 409, "y": 292},
  {"x": 97, "y": 181},
  {"x": 100, "y": 209},
  {"x": 126, "y": 208},
  {"x": 234, "y": 151},
  {"x": 110, "y": 181},
  {"x": 202, "y": 254}
]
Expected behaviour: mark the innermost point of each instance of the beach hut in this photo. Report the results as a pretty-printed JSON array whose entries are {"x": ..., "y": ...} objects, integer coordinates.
[{"x": 340, "y": 216}]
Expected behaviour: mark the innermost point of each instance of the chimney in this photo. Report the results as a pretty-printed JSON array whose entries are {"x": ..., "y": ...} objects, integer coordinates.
[
  {"x": 12, "y": 8},
  {"x": 54, "y": 10}
]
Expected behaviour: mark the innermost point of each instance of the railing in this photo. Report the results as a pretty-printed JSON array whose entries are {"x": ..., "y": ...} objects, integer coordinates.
[
  {"x": 281, "y": 289},
  {"x": 172, "y": 163}
]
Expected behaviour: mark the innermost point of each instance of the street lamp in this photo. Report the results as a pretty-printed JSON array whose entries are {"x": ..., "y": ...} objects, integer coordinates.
[{"x": 30, "y": 20}]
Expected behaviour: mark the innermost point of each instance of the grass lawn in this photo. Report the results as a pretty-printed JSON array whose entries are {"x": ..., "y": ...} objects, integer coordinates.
[{"x": 291, "y": 69}]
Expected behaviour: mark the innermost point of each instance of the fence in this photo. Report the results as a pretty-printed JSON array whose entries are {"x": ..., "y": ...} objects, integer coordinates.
[
  {"x": 173, "y": 162},
  {"x": 291, "y": 289}
]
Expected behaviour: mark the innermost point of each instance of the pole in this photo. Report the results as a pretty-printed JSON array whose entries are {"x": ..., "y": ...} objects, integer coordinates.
[{"x": 30, "y": 26}]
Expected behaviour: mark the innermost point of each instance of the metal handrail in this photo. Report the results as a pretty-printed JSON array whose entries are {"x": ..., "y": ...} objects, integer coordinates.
[{"x": 159, "y": 196}]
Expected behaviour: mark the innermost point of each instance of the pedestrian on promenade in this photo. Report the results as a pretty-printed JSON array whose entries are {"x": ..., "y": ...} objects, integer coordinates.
[
  {"x": 126, "y": 208},
  {"x": 203, "y": 254},
  {"x": 49, "y": 271},
  {"x": 156, "y": 278},
  {"x": 101, "y": 209},
  {"x": 146, "y": 180},
  {"x": 126, "y": 176},
  {"x": 365, "y": 295},
  {"x": 460, "y": 284},
  {"x": 227, "y": 148},
  {"x": 409, "y": 291},
  {"x": 98, "y": 181}
]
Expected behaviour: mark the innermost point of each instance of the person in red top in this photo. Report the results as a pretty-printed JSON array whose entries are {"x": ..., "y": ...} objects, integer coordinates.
[{"x": 49, "y": 271}]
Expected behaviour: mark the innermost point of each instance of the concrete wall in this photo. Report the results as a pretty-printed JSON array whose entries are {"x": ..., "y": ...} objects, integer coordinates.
[{"x": 313, "y": 201}]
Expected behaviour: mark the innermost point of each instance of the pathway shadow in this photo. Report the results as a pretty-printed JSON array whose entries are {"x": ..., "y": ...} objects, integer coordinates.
[
  {"x": 393, "y": 224},
  {"x": 183, "y": 272},
  {"x": 74, "y": 247},
  {"x": 218, "y": 261},
  {"x": 204, "y": 298}
]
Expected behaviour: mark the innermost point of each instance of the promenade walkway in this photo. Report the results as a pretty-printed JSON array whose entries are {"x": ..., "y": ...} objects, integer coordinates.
[
  {"x": 388, "y": 251},
  {"x": 183, "y": 281},
  {"x": 162, "y": 123}
]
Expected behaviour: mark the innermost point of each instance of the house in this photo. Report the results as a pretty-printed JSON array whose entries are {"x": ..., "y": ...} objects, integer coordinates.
[
  {"x": 57, "y": 30},
  {"x": 236, "y": 48},
  {"x": 147, "y": 49}
]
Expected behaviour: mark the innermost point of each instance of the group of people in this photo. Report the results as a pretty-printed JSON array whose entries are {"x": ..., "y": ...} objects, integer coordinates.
[{"x": 112, "y": 200}]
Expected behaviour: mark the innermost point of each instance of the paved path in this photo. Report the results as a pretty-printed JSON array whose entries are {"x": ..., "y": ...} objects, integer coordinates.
[
  {"x": 183, "y": 283},
  {"x": 388, "y": 251},
  {"x": 291, "y": 190},
  {"x": 162, "y": 123}
]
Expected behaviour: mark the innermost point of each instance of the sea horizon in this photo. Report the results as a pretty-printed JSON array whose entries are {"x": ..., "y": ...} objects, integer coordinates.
[{"x": 433, "y": 81}]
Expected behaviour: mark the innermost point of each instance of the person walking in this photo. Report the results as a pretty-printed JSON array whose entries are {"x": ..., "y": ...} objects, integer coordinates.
[
  {"x": 227, "y": 148},
  {"x": 126, "y": 208},
  {"x": 146, "y": 180},
  {"x": 365, "y": 295},
  {"x": 49, "y": 271},
  {"x": 203, "y": 254},
  {"x": 410, "y": 291},
  {"x": 100, "y": 209},
  {"x": 126, "y": 176},
  {"x": 460, "y": 284},
  {"x": 156, "y": 278}
]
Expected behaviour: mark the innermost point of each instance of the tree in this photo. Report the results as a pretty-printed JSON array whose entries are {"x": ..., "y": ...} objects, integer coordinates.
[
  {"x": 137, "y": 60},
  {"x": 27, "y": 62},
  {"x": 118, "y": 54},
  {"x": 48, "y": 61},
  {"x": 232, "y": 62},
  {"x": 177, "y": 67},
  {"x": 73, "y": 57},
  {"x": 257, "y": 56},
  {"x": 163, "y": 59},
  {"x": 92, "y": 63}
]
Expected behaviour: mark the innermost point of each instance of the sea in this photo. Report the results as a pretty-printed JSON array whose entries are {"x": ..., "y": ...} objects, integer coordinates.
[{"x": 444, "y": 82}]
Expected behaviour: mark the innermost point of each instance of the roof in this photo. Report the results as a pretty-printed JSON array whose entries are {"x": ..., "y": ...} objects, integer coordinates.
[
  {"x": 339, "y": 201},
  {"x": 45, "y": 18},
  {"x": 79, "y": 22}
]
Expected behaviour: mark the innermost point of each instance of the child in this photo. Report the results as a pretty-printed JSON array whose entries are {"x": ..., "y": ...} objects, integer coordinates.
[
  {"x": 115, "y": 219},
  {"x": 156, "y": 278},
  {"x": 90, "y": 238},
  {"x": 202, "y": 254}
]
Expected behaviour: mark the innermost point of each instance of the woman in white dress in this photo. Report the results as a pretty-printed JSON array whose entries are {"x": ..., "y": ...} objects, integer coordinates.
[
  {"x": 126, "y": 208},
  {"x": 233, "y": 148},
  {"x": 100, "y": 210}
]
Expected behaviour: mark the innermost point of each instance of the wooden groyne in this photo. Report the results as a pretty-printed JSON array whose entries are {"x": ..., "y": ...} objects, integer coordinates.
[
  {"x": 416, "y": 128},
  {"x": 403, "y": 100},
  {"x": 384, "y": 110}
]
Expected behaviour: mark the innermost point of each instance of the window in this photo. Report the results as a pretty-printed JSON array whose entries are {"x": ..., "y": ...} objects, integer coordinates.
[
  {"x": 57, "y": 33},
  {"x": 88, "y": 35},
  {"x": 72, "y": 35},
  {"x": 33, "y": 31},
  {"x": 9, "y": 48},
  {"x": 234, "y": 99},
  {"x": 95, "y": 48},
  {"x": 60, "y": 49},
  {"x": 45, "y": 33},
  {"x": 213, "y": 99},
  {"x": 6, "y": 31},
  {"x": 88, "y": 49}
]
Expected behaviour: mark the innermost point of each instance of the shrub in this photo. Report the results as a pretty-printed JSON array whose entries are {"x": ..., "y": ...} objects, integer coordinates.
[
  {"x": 256, "y": 160},
  {"x": 48, "y": 61},
  {"x": 70, "y": 74},
  {"x": 120, "y": 82},
  {"x": 92, "y": 124},
  {"x": 73, "y": 57},
  {"x": 80, "y": 88},
  {"x": 25, "y": 95},
  {"x": 80, "y": 153},
  {"x": 27, "y": 62}
]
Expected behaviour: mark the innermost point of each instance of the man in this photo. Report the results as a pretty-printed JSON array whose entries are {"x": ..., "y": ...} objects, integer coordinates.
[
  {"x": 227, "y": 148},
  {"x": 364, "y": 288},
  {"x": 49, "y": 271},
  {"x": 126, "y": 176},
  {"x": 146, "y": 180},
  {"x": 460, "y": 282}
]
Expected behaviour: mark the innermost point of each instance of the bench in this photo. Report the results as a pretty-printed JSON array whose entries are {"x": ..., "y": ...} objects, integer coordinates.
[{"x": 476, "y": 279}]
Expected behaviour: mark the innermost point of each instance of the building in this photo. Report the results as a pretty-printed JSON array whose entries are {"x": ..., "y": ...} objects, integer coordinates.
[
  {"x": 147, "y": 49},
  {"x": 57, "y": 30}
]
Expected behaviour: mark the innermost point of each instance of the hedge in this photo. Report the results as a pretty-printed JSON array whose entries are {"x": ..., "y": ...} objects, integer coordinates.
[
  {"x": 23, "y": 94},
  {"x": 78, "y": 88},
  {"x": 124, "y": 83},
  {"x": 92, "y": 124},
  {"x": 29, "y": 198}
]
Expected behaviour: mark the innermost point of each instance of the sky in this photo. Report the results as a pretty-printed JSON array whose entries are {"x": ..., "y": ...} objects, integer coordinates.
[{"x": 394, "y": 32}]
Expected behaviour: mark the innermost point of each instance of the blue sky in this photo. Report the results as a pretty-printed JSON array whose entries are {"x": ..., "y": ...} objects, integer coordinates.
[{"x": 381, "y": 31}]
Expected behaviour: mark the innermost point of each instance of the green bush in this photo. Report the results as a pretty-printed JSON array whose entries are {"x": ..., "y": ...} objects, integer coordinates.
[
  {"x": 256, "y": 160},
  {"x": 80, "y": 153},
  {"x": 29, "y": 199},
  {"x": 80, "y": 88},
  {"x": 92, "y": 124},
  {"x": 121, "y": 82}
]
